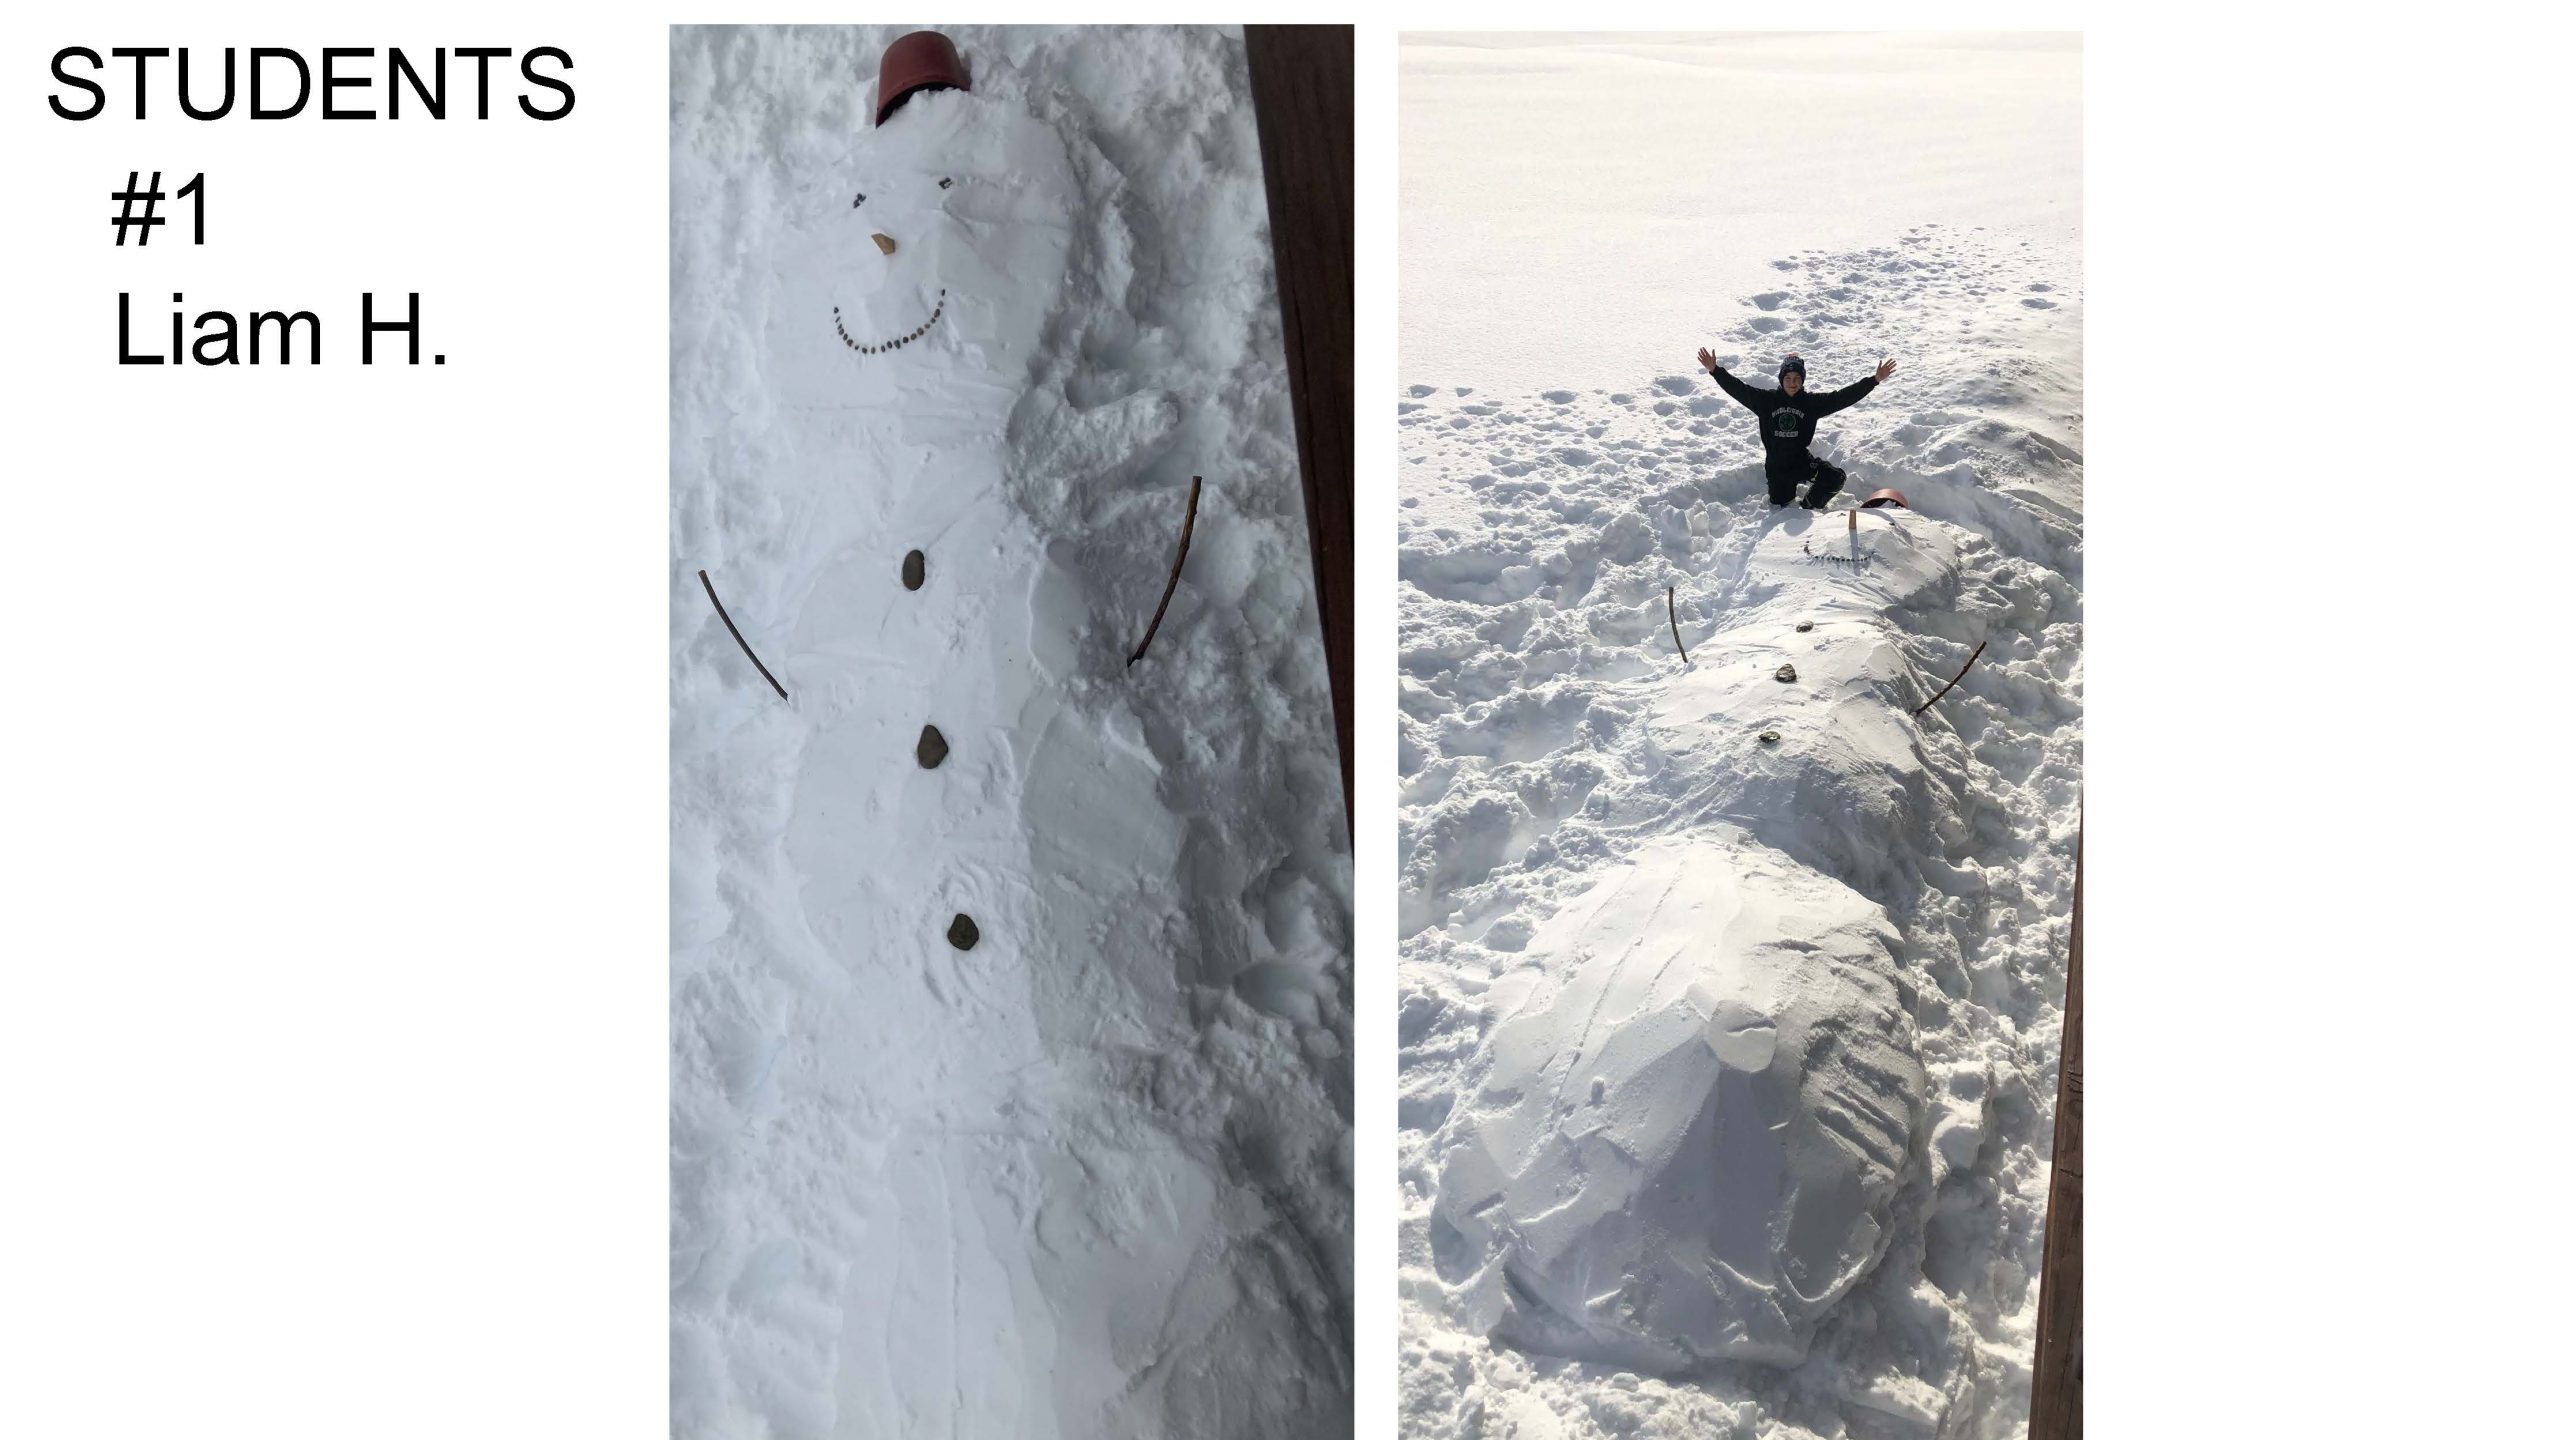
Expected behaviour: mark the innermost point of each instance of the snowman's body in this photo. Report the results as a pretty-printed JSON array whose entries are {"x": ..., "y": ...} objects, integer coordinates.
[
  {"x": 967, "y": 1208},
  {"x": 1700, "y": 1090}
]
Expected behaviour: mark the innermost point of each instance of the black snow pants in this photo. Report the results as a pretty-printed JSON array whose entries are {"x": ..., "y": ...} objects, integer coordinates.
[{"x": 1786, "y": 475}]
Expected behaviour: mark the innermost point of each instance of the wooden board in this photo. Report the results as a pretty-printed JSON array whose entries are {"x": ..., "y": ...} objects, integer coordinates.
[
  {"x": 1302, "y": 107},
  {"x": 2053, "y": 1407}
]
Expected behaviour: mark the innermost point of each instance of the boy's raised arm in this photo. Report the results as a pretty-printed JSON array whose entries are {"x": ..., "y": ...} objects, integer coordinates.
[
  {"x": 1831, "y": 402},
  {"x": 1752, "y": 397}
]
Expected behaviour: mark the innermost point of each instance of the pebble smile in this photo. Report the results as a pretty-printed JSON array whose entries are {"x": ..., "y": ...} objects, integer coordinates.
[{"x": 912, "y": 335}]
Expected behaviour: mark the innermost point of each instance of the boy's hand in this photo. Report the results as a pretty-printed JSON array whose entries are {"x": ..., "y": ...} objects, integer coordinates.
[
  {"x": 1706, "y": 357},
  {"x": 1884, "y": 372}
]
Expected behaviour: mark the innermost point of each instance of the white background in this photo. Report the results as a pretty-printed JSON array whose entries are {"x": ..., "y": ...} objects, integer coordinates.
[{"x": 332, "y": 942}]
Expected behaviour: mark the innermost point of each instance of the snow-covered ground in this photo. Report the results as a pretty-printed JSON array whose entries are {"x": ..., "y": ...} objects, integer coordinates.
[
  {"x": 1731, "y": 999},
  {"x": 1568, "y": 205},
  {"x": 1089, "y": 1174}
]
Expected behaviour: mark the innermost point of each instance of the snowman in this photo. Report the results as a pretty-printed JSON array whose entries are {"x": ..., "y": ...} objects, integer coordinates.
[
  {"x": 979, "y": 849},
  {"x": 1689, "y": 1130}
]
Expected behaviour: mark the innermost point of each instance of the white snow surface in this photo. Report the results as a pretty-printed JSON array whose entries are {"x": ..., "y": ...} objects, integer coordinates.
[
  {"x": 1578, "y": 205},
  {"x": 1728, "y": 1062},
  {"x": 1090, "y": 1177}
]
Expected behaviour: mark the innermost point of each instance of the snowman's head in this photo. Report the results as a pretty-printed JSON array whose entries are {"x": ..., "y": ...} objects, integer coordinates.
[
  {"x": 881, "y": 279},
  {"x": 935, "y": 243}
]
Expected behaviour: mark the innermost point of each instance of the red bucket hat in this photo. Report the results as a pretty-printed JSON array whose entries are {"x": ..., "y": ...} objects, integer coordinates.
[
  {"x": 1885, "y": 497},
  {"x": 917, "y": 60}
]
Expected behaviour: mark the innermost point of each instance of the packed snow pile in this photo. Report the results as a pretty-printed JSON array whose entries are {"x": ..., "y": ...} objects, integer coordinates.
[
  {"x": 1698, "y": 1093},
  {"x": 1010, "y": 1076},
  {"x": 1731, "y": 988}
]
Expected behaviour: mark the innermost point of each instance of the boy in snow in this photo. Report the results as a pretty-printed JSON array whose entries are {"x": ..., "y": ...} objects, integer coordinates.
[{"x": 1786, "y": 426}]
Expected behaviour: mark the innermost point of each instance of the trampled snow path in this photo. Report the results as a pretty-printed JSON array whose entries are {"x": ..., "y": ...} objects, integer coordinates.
[{"x": 1631, "y": 925}]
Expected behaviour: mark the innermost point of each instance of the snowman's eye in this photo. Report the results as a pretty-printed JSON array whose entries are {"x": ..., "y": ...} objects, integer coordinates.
[
  {"x": 946, "y": 182},
  {"x": 858, "y": 199}
]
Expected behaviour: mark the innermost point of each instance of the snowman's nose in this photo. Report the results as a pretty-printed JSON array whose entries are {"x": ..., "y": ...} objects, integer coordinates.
[{"x": 887, "y": 245}]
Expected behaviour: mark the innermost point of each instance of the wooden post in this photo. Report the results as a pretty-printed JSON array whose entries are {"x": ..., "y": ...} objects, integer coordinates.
[
  {"x": 1302, "y": 107},
  {"x": 2053, "y": 1394}
]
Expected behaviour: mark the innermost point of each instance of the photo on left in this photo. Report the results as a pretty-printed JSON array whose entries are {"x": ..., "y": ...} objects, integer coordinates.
[{"x": 1009, "y": 611}]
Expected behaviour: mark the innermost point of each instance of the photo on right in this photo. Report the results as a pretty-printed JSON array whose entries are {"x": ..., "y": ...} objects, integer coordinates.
[{"x": 1739, "y": 628}]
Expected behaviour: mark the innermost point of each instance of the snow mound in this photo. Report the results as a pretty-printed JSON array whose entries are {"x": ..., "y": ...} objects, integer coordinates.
[{"x": 1700, "y": 1095}]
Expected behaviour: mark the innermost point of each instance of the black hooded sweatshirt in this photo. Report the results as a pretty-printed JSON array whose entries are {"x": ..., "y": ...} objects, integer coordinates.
[{"x": 1786, "y": 421}]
